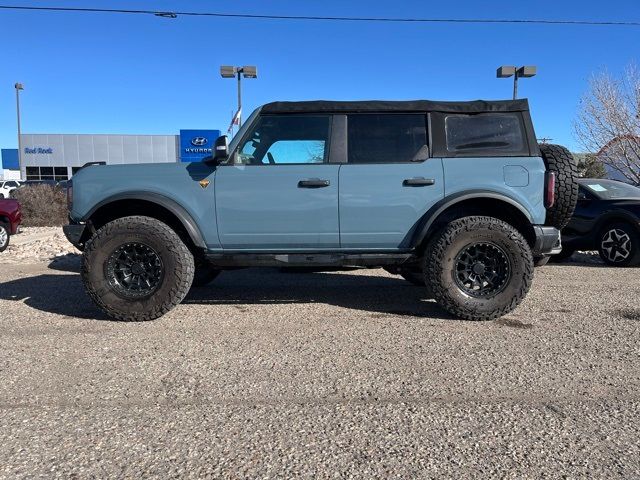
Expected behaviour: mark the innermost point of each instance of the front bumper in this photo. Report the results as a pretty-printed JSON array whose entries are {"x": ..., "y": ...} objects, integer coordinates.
[
  {"x": 74, "y": 232},
  {"x": 547, "y": 241}
]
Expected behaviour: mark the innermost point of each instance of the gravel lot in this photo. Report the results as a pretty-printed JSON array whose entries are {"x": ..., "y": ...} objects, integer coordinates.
[{"x": 353, "y": 374}]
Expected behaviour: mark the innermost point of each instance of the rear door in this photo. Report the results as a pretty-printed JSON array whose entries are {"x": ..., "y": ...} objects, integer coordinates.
[
  {"x": 389, "y": 182},
  {"x": 281, "y": 192}
]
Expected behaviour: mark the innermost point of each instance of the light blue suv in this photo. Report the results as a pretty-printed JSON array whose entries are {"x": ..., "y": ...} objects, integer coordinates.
[{"x": 457, "y": 197}]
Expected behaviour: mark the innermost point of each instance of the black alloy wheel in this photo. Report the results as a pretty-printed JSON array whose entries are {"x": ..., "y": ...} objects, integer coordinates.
[
  {"x": 620, "y": 245},
  {"x": 482, "y": 270},
  {"x": 134, "y": 270}
]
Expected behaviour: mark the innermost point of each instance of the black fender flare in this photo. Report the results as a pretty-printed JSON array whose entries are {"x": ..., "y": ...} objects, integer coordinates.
[
  {"x": 423, "y": 227},
  {"x": 172, "y": 206}
]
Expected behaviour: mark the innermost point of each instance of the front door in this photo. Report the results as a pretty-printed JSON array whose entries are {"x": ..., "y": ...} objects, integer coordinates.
[
  {"x": 389, "y": 181},
  {"x": 280, "y": 192}
]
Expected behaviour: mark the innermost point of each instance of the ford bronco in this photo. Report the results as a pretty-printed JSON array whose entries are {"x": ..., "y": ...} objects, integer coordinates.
[{"x": 456, "y": 196}]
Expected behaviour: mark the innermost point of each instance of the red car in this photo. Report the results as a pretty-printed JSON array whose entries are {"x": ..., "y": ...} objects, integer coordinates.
[{"x": 10, "y": 218}]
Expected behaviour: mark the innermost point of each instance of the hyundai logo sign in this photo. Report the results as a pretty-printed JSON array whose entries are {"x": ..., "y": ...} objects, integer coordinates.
[
  {"x": 196, "y": 144},
  {"x": 198, "y": 141}
]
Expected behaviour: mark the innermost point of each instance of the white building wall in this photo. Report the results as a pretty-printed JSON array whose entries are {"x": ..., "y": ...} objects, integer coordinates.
[
  {"x": 49, "y": 150},
  {"x": 6, "y": 174}
]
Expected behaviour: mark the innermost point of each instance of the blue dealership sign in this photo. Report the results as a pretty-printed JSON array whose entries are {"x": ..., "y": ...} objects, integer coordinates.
[{"x": 197, "y": 144}]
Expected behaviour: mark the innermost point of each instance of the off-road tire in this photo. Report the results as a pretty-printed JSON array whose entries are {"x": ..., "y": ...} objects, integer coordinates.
[
  {"x": 205, "y": 273},
  {"x": 633, "y": 259},
  {"x": 4, "y": 228},
  {"x": 176, "y": 258},
  {"x": 560, "y": 161},
  {"x": 439, "y": 266}
]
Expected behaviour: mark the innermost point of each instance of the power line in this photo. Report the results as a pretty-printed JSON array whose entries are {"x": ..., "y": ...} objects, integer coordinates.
[{"x": 174, "y": 14}]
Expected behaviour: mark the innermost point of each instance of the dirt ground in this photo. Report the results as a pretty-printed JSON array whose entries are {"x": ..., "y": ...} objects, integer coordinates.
[{"x": 265, "y": 374}]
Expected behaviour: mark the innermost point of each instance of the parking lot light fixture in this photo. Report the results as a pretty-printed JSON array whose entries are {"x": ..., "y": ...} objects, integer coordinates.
[
  {"x": 18, "y": 86},
  {"x": 507, "y": 71},
  {"x": 246, "y": 71}
]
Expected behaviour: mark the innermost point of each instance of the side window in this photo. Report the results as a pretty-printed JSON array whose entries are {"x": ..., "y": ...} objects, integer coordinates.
[
  {"x": 387, "y": 138},
  {"x": 286, "y": 139},
  {"x": 501, "y": 133}
]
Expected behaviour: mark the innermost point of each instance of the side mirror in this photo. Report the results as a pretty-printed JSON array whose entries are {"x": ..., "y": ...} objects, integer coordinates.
[{"x": 220, "y": 150}]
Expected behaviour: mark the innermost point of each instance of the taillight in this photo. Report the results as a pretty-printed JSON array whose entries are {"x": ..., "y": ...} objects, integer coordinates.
[{"x": 549, "y": 189}]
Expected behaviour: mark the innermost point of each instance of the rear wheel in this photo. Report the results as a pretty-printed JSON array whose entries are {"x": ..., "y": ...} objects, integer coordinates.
[
  {"x": 620, "y": 245},
  {"x": 4, "y": 236},
  {"x": 136, "y": 268},
  {"x": 478, "y": 268}
]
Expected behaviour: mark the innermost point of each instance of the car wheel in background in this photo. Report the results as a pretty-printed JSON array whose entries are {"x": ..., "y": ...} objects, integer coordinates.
[
  {"x": 478, "y": 268},
  {"x": 4, "y": 236},
  {"x": 560, "y": 161},
  {"x": 136, "y": 268},
  {"x": 619, "y": 245}
]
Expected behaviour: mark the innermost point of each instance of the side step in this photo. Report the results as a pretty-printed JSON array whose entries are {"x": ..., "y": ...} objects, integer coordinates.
[{"x": 308, "y": 259}]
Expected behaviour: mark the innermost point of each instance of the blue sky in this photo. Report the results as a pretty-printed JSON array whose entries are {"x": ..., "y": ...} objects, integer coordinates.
[{"x": 101, "y": 73}]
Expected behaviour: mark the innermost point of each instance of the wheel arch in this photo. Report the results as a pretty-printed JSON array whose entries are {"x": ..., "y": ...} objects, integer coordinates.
[
  {"x": 473, "y": 203},
  {"x": 615, "y": 216},
  {"x": 148, "y": 204}
]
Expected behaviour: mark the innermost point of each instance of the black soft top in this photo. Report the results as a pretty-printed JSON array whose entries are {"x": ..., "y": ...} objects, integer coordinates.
[{"x": 329, "y": 106}]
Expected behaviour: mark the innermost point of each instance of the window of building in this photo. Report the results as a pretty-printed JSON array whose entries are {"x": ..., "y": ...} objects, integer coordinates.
[
  {"x": 33, "y": 173},
  {"x": 60, "y": 173},
  {"x": 47, "y": 173},
  {"x": 286, "y": 139},
  {"x": 387, "y": 138},
  {"x": 500, "y": 133},
  {"x": 75, "y": 170}
]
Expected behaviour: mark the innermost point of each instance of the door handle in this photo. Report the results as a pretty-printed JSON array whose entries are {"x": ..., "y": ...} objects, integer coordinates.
[
  {"x": 418, "y": 182},
  {"x": 313, "y": 183}
]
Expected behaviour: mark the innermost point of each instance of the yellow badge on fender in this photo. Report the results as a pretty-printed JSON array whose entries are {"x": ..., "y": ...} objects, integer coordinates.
[{"x": 204, "y": 183}]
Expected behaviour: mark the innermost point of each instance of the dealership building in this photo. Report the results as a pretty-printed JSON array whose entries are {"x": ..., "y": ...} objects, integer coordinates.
[{"x": 59, "y": 156}]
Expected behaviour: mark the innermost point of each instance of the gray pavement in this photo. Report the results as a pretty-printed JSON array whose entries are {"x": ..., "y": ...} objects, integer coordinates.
[{"x": 345, "y": 375}]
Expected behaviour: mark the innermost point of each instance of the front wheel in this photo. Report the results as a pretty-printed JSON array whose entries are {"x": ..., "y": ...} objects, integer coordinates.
[
  {"x": 478, "y": 268},
  {"x": 620, "y": 245},
  {"x": 136, "y": 268}
]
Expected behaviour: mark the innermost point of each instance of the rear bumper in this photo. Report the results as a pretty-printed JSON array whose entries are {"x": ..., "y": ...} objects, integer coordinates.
[
  {"x": 547, "y": 241},
  {"x": 74, "y": 233}
]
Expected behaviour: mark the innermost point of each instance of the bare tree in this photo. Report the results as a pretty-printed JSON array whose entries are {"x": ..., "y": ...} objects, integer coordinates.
[{"x": 608, "y": 121}]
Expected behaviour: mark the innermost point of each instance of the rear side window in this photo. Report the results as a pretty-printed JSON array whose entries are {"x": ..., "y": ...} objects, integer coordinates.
[
  {"x": 387, "y": 138},
  {"x": 485, "y": 134}
]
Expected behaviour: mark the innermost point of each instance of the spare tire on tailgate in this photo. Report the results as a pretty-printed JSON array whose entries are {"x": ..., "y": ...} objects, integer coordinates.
[{"x": 560, "y": 161}]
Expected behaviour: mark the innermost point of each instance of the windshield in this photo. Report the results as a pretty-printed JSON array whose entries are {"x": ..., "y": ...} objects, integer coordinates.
[{"x": 610, "y": 189}]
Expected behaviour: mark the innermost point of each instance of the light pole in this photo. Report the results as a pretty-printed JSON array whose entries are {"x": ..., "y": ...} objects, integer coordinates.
[
  {"x": 18, "y": 87},
  {"x": 247, "y": 71},
  {"x": 507, "y": 71}
]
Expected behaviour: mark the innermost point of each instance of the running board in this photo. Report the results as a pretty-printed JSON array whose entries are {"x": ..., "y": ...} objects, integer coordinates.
[{"x": 308, "y": 259}]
